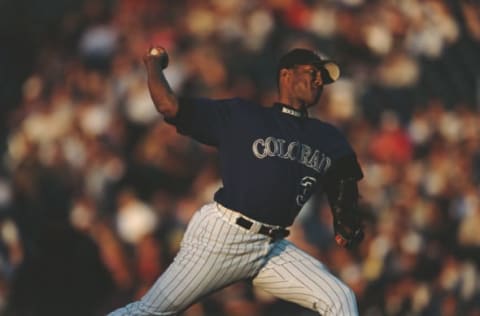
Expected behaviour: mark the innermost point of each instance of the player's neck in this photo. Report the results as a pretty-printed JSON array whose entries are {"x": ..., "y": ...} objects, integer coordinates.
[{"x": 292, "y": 103}]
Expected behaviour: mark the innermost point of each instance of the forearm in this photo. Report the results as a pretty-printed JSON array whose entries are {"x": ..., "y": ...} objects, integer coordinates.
[
  {"x": 343, "y": 196},
  {"x": 341, "y": 184},
  {"x": 161, "y": 93}
]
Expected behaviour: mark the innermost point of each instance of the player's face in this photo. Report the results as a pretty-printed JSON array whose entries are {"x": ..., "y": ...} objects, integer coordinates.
[{"x": 307, "y": 84}]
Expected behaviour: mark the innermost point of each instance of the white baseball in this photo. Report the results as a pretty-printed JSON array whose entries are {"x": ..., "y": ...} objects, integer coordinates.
[{"x": 154, "y": 52}]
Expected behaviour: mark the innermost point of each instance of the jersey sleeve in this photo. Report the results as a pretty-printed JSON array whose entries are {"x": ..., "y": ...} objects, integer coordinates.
[
  {"x": 205, "y": 120},
  {"x": 346, "y": 167},
  {"x": 345, "y": 164}
]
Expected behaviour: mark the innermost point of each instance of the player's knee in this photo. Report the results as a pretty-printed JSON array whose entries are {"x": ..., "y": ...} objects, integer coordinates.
[
  {"x": 138, "y": 308},
  {"x": 161, "y": 311},
  {"x": 340, "y": 302}
]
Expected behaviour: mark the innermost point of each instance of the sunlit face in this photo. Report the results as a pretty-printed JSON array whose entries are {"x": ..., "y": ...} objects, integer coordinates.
[{"x": 306, "y": 84}]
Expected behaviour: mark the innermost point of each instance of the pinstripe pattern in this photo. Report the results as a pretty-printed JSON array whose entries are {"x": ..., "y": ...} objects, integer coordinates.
[
  {"x": 215, "y": 252},
  {"x": 295, "y": 276}
]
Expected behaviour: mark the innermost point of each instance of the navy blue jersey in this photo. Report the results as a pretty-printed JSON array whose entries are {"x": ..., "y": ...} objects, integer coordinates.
[{"x": 271, "y": 159}]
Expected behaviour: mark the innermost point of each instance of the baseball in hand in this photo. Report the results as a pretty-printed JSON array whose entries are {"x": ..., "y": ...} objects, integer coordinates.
[{"x": 158, "y": 55}]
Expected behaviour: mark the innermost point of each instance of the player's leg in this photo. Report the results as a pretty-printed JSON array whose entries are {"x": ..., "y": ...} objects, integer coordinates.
[
  {"x": 214, "y": 253},
  {"x": 184, "y": 281},
  {"x": 293, "y": 275}
]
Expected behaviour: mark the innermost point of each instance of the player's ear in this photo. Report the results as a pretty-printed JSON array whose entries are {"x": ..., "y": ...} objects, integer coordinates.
[
  {"x": 284, "y": 75},
  {"x": 284, "y": 72}
]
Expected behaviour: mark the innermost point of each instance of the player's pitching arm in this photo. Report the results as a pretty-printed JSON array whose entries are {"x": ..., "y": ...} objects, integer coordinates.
[{"x": 165, "y": 101}]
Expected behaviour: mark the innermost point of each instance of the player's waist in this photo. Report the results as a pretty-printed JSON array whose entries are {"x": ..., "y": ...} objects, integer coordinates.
[{"x": 254, "y": 226}]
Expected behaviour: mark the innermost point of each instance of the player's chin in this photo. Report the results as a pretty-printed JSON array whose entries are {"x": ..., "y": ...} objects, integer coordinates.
[
  {"x": 315, "y": 97},
  {"x": 313, "y": 100}
]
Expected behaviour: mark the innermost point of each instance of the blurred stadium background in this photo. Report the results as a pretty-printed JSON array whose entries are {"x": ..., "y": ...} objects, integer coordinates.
[{"x": 96, "y": 191}]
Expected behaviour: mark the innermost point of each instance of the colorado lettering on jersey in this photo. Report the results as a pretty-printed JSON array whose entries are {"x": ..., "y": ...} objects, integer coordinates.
[{"x": 295, "y": 151}]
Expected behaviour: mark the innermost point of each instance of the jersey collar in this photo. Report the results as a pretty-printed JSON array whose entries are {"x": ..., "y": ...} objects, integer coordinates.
[{"x": 283, "y": 108}]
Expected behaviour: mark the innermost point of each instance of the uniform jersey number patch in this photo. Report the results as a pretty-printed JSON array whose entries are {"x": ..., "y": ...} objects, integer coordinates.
[{"x": 306, "y": 187}]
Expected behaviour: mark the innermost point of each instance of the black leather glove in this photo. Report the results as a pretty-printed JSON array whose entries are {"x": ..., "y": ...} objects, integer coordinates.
[{"x": 348, "y": 229}]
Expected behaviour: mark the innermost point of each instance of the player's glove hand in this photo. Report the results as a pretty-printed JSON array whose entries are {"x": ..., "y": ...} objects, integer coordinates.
[
  {"x": 156, "y": 56},
  {"x": 348, "y": 230}
]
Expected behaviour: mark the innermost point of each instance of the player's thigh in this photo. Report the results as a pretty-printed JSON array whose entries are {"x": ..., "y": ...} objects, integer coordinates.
[
  {"x": 197, "y": 270},
  {"x": 185, "y": 281},
  {"x": 293, "y": 275},
  {"x": 171, "y": 293},
  {"x": 177, "y": 288}
]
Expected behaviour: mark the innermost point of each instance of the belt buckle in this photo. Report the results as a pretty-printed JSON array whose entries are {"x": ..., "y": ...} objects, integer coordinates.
[{"x": 278, "y": 233}]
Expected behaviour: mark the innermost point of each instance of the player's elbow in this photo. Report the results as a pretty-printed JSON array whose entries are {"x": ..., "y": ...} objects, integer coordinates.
[
  {"x": 167, "y": 112},
  {"x": 168, "y": 108}
]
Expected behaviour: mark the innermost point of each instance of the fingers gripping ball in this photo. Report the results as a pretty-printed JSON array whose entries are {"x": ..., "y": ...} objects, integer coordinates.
[{"x": 159, "y": 54}]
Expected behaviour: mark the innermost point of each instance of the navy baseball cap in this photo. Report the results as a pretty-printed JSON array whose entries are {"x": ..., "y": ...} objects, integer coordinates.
[{"x": 301, "y": 56}]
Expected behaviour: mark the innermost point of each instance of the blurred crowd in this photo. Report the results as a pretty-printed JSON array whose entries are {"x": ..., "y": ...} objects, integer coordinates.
[{"x": 96, "y": 190}]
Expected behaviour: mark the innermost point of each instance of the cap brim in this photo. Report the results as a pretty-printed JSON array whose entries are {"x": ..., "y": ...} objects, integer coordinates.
[{"x": 330, "y": 71}]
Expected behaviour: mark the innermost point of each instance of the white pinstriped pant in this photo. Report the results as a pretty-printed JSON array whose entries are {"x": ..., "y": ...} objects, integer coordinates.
[{"x": 215, "y": 252}]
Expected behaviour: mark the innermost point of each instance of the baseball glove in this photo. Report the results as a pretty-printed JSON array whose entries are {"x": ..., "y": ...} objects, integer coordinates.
[{"x": 348, "y": 229}]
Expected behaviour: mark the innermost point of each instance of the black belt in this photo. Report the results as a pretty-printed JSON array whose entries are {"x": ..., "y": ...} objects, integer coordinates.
[{"x": 274, "y": 233}]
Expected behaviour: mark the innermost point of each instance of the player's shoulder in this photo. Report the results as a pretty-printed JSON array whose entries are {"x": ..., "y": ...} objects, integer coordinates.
[
  {"x": 331, "y": 136},
  {"x": 242, "y": 105},
  {"x": 326, "y": 128},
  {"x": 244, "y": 102},
  {"x": 234, "y": 101}
]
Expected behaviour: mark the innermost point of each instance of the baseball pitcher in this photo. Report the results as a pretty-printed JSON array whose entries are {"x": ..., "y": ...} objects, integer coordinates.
[{"x": 271, "y": 160}]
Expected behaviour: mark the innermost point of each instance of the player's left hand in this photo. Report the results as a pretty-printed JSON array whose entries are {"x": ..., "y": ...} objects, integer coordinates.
[{"x": 348, "y": 230}]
